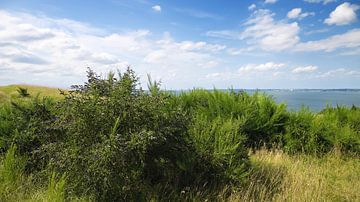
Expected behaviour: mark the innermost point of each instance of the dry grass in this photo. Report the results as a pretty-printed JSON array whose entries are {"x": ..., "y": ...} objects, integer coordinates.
[
  {"x": 276, "y": 177},
  {"x": 10, "y": 91},
  {"x": 280, "y": 177}
]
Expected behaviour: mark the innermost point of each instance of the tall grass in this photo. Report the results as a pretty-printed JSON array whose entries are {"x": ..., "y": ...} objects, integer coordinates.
[
  {"x": 11, "y": 173},
  {"x": 277, "y": 176},
  {"x": 16, "y": 185}
]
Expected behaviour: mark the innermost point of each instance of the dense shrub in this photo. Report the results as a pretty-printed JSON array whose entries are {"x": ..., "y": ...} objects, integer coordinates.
[
  {"x": 221, "y": 140},
  {"x": 29, "y": 124},
  {"x": 320, "y": 133},
  {"x": 114, "y": 141},
  {"x": 262, "y": 121}
]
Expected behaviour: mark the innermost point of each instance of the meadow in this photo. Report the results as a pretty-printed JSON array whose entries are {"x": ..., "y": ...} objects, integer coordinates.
[{"x": 108, "y": 140}]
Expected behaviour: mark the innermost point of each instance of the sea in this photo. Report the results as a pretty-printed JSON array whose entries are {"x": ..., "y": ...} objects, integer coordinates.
[{"x": 314, "y": 99}]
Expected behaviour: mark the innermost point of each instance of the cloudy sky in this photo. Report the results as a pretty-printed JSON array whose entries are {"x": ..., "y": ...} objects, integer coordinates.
[{"x": 183, "y": 43}]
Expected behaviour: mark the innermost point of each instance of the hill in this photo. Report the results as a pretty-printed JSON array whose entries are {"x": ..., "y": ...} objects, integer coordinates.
[{"x": 10, "y": 91}]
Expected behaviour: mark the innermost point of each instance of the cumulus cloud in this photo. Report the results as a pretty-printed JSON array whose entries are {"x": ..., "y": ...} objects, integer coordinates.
[
  {"x": 156, "y": 8},
  {"x": 350, "y": 39},
  {"x": 268, "y": 69},
  {"x": 297, "y": 13},
  {"x": 306, "y": 69},
  {"x": 262, "y": 30},
  {"x": 252, "y": 7},
  {"x": 343, "y": 14},
  {"x": 209, "y": 64},
  {"x": 270, "y": 1},
  {"x": 60, "y": 52},
  {"x": 190, "y": 45},
  {"x": 260, "y": 67},
  {"x": 225, "y": 34},
  {"x": 340, "y": 72},
  {"x": 239, "y": 51},
  {"x": 320, "y": 1}
]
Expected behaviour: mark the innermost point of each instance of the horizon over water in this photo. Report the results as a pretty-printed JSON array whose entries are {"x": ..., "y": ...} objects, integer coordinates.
[
  {"x": 317, "y": 99},
  {"x": 314, "y": 99}
]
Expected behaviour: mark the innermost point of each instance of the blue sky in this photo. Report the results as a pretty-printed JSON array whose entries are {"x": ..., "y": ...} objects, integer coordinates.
[{"x": 185, "y": 44}]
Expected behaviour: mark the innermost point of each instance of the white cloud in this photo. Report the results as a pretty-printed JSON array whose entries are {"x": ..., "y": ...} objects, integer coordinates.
[
  {"x": 214, "y": 75},
  {"x": 225, "y": 34},
  {"x": 306, "y": 69},
  {"x": 59, "y": 54},
  {"x": 340, "y": 72},
  {"x": 270, "y": 1},
  {"x": 190, "y": 45},
  {"x": 297, "y": 13},
  {"x": 209, "y": 64},
  {"x": 316, "y": 31},
  {"x": 276, "y": 74},
  {"x": 320, "y": 1},
  {"x": 249, "y": 68},
  {"x": 248, "y": 72},
  {"x": 156, "y": 8},
  {"x": 252, "y": 7},
  {"x": 239, "y": 51},
  {"x": 265, "y": 70},
  {"x": 269, "y": 34},
  {"x": 262, "y": 31},
  {"x": 343, "y": 14},
  {"x": 350, "y": 39}
]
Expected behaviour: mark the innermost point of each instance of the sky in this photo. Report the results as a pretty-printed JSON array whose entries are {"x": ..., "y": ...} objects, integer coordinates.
[{"x": 184, "y": 44}]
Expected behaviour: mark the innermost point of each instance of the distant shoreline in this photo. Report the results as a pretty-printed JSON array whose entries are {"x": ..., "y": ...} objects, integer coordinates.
[{"x": 278, "y": 89}]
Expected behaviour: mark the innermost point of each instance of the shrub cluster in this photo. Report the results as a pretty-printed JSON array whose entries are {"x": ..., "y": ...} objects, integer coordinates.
[
  {"x": 111, "y": 140},
  {"x": 115, "y": 141},
  {"x": 333, "y": 128}
]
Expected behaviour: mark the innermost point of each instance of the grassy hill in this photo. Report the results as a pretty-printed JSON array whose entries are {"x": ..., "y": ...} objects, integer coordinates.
[{"x": 10, "y": 91}]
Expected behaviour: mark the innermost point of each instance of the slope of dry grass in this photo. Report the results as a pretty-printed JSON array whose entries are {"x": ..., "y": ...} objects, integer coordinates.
[
  {"x": 280, "y": 177},
  {"x": 10, "y": 91}
]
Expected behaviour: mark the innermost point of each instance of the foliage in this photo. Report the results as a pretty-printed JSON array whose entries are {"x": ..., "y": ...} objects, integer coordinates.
[
  {"x": 261, "y": 120},
  {"x": 277, "y": 176},
  {"x": 10, "y": 92},
  {"x": 111, "y": 140},
  {"x": 333, "y": 128},
  {"x": 23, "y": 92}
]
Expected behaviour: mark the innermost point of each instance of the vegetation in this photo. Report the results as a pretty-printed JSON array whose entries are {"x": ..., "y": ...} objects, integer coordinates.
[
  {"x": 110, "y": 140},
  {"x": 14, "y": 91},
  {"x": 277, "y": 176}
]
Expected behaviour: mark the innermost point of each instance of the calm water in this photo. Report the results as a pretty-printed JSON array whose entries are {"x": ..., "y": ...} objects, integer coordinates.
[{"x": 315, "y": 99}]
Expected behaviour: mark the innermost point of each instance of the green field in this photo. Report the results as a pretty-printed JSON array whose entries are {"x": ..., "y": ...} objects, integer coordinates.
[
  {"x": 112, "y": 141},
  {"x": 10, "y": 91}
]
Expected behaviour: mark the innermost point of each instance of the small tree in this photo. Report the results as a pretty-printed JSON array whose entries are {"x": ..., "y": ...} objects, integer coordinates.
[{"x": 23, "y": 92}]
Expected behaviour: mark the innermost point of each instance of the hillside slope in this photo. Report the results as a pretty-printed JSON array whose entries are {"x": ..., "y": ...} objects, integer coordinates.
[{"x": 10, "y": 91}]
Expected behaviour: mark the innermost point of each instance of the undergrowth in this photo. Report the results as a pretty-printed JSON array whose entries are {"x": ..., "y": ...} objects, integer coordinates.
[{"x": 111, "y": 140}]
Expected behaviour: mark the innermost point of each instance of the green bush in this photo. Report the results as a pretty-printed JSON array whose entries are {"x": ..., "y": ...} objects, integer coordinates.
[
  {"x": 114, "y": 141},
  {"x": 320, "y": 133},
  {"x": 118, "y": 142},
  {"x": 221, "y": 140},
  {"x": 262, "y": 120}
]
